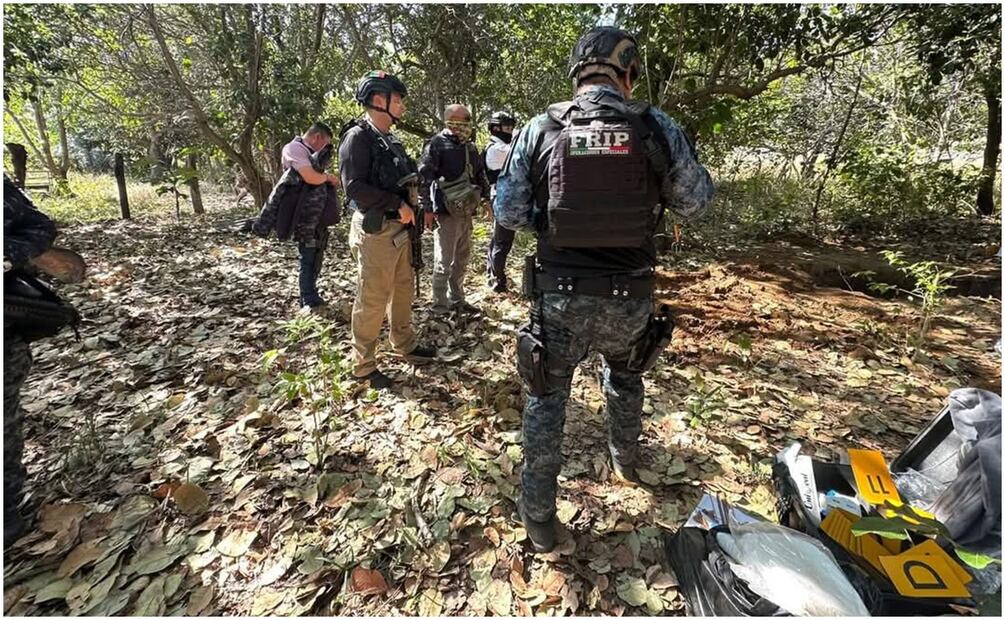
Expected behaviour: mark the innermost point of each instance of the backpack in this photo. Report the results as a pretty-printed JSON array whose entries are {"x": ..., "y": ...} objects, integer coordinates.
[{"x": 605, "y": 162}]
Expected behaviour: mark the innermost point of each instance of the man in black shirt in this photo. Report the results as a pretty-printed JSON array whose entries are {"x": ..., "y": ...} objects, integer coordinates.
[
  {"x": 380, "y": 180},
  {"x": 454, "y": 185}
]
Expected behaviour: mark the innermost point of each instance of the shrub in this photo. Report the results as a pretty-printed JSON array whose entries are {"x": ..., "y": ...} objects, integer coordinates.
[
  {"x": 881, "y": 190},
  {"x": 94, "y": 198}
]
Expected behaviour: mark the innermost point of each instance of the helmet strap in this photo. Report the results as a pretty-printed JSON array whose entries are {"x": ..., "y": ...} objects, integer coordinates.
[{"x": 386, "y": 109}]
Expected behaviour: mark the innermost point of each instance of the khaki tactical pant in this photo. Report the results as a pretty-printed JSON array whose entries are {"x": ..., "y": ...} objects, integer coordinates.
[
  {"x": 384, "y": 287},
  {"x": 451, "y": 251}
]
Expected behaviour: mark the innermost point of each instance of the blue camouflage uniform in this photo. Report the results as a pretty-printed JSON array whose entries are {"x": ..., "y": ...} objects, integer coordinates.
[
  {"x": 27, "y": 232},
  {"x": 574, "y": 324}
]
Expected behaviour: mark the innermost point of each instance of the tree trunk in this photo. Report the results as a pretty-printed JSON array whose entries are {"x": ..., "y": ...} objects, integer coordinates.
[
  {"x": 19, "y": 158},
  {"x": 992, "y": 148},
  {"x": 194, "y": 192},
  {"x": 64, "y": 145},
  {"x": 158, "y": 161},
  {"x": 833, "y": 159},
  {"x": 43, "y": 136},
  {"x": 241, "y": 156},
  {"x": 120, "y": 180}
]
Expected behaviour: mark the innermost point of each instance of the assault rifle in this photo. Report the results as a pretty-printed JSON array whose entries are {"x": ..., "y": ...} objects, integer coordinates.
[{"x": 410, "y": 188}]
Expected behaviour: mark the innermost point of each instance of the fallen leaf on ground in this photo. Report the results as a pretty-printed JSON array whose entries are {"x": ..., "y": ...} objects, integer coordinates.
[{"x": 367, "y": 581}]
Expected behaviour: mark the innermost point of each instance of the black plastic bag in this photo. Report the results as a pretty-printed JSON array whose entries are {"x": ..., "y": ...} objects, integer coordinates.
[{"x": 705, "y": 581}]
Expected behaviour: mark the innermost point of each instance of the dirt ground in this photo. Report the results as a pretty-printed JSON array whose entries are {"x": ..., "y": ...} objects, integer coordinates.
[{"x": 174, "y": 474}]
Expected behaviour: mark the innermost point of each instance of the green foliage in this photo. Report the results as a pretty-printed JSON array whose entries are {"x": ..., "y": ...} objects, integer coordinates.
[
  {"x": 744, "y": 347},
  {"x": 930, "y": 286},
  {"x": 906, "y": 519},
  {"x": 699, "y": 56},
  {"x": 881, "y": 189},
  {"x": 704, "y": 402},
  {"x": 887, "y": 528},
  {"x": 95, "y": 198},
  {"x": 763, "y": 89},
  {"x": 976, "y": 560},
  {"x": 36, "y": 40},
  {"x": 321, "y": 384},
  {"x": 765, "y": 206},
  {"x": 959, "y": 38}
]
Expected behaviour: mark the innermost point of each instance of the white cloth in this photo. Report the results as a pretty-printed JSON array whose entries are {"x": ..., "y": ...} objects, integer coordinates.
[{"x": 496, "y": 153}]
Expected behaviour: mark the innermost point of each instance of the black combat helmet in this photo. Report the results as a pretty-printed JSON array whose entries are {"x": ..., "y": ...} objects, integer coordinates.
[
  {"x": 379, "y": 82},
  {"x": 499, "y": 119},
  {"x": 605, "y": 50}
]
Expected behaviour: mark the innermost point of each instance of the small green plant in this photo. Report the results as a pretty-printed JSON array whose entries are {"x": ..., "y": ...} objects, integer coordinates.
[
  {"x": 322, "y": 385},
  {"x": 744, "y": 347},
  {"x": 169, "y": 185},
  {"x": 930, "y": 286},
  {"x": 301, "y": 327},
  {"x": 705, "y": 402},
  {"x": 84, "y": 448}
]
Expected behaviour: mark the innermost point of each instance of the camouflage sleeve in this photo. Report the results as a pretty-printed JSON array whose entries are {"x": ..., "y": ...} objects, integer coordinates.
[
  {"x": 513, "y": 205},
  {"x": 27, "y": 232},
  {"x": 687, "y": 188}
]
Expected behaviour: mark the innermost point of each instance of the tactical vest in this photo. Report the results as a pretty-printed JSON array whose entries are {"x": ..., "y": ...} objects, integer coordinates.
[
  {"x": 597, "y": 174},
  {"x": 593, "y": 254},
  {"x": 389, "y": 162}
]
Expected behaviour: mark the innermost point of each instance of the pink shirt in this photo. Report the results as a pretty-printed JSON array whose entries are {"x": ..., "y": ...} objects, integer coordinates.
[{"x": 296, "y": 155}]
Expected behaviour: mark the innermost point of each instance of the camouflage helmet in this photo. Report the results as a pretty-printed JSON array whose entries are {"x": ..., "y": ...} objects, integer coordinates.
[
  {"x": 499, "y": 119},
  {"x": 605, "y": 50},
  {"x": 378, "y": 82}
]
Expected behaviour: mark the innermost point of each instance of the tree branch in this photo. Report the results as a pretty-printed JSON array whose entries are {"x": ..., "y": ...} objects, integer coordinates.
[
  {"x": 24, "y": 132},
  {"x": 201, "y": 119},
  {"x": 740, "y": 91}
]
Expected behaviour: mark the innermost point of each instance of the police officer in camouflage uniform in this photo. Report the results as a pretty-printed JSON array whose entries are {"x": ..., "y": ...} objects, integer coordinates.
[
  {"x": 592, "y": 177},
  {"x": 27, "y": 233},
  {"x": 381, "y": 181}
]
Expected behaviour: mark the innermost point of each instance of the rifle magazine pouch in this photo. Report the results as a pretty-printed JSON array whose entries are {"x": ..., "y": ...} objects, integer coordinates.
[
  {"x": 33, "y": 310},
  {"x": 655, "y": 339},
  {"x": 530, "y": 360}
]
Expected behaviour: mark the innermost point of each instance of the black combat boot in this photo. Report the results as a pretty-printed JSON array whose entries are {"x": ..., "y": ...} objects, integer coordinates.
[
  {"x": 541, "y": 533},
  {"x": 420, "y": 354},
  {"x": 624, "y": 468},
  {"x": 377, "y": 380}
]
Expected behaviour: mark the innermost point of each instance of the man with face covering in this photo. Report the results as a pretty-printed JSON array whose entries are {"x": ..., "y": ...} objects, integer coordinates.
[
  {"x": 501, "y": 126},
  {"x": 453, "y": 187}
]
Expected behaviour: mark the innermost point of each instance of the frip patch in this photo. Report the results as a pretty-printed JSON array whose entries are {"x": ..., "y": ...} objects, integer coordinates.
[{"x": 594, "y": 141}]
